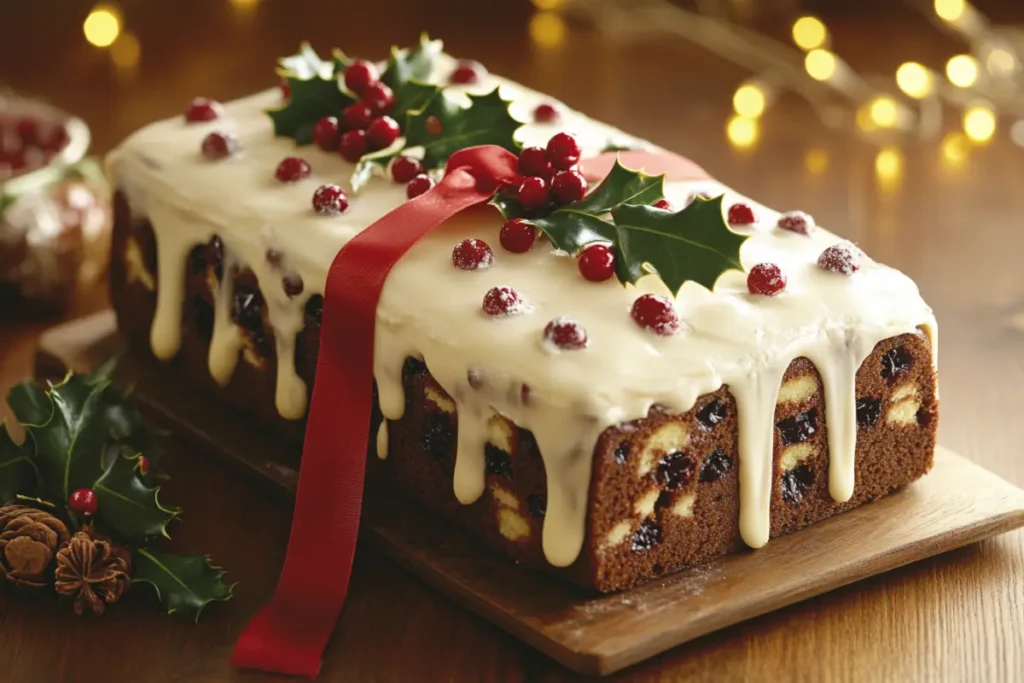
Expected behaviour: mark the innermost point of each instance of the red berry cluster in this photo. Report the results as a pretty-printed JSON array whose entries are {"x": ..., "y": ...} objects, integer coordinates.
[
  {"x": 550, "y": 174},
  {"x": 26, "y": 143}
]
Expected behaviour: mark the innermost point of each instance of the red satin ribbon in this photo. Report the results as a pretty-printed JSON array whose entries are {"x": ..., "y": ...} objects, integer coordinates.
[{"x": 289, "y": 634}]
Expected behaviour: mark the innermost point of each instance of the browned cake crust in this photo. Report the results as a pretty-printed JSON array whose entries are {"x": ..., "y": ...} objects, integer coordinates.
[{"x": 664, "y": 493}]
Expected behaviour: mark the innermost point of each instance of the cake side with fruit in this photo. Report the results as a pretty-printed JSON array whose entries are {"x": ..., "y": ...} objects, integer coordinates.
[{"x": 613, "y": 377}]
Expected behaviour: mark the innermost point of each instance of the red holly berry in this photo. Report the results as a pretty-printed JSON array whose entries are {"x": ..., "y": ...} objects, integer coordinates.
[
  {"x": 472, "y": 255},
  {"x": 292, "y": 169},
  {"x": 533, "y": 161},
  {"x": 503, "y": 301},
  {"x": 517, "y": 236},
  {"x": 663, "y": 204},
  {"x": 568, "y": 186},
  {"x": 404, "y": 169},
  {"x": 468, "y": 72},
  {"x": 656, "y": 313},
  {"x": 546, "y": 112},
  {"x": 418, "y": 185},
  {"x": 741, "y": 214},
  {"x": 356, "y": 116},
  {"x": 597, "y": 262},
  {"x": 533, "y": 193},
  {"x": 433, "y": 125},
  {"x": 352, "y": 145},
  {"x": 83, "y": 502},
  {"x": 325, "y": 134},
  {"x": 766, "y": 279},
  {"x": 360, "y": 74},
  {"x": 565, "y": 334},
  {"x": 144, "y": 465},
  {"x": 563, "y": 151},
  {"x": 796, "y": 221},
  {"x": 202, "y": 109},
  {"x": 841, "y": 258},
  {"x": 219, "y": 145},
  {"x": 330, "y": 200},
  {"x": 379, "y": 98},
  {"x": 382, "y": 132}
]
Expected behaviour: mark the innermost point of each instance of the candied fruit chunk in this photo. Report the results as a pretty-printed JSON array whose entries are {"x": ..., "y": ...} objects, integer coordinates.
[
  {"x": 715, "y": 466},
  {"x": 622, "y": 453},
  {"x": 197, "y": 259},
  {"x": 647, "y": 536},
  {"x": 202, "y": 313},
  {"x": 868, "y": 412},
  {"x": 314, "y": 310},
  {"x": 895, "y": 362},
  {"x": 675, "y": 470},
  {"x": 924, "y": 417},
  {"x": 537, "y": 504},
  {"x": 497, "y": 461},
  {"x": 796, "y": 483},
  {"x": 711, "y": 415},
  {"x": 438, "y": 437},
  {"x": 247, "y": 308},
  {"x": 798, "y": 428}
]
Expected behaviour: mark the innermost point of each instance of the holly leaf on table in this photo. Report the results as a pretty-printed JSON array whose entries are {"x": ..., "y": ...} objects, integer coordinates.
[
  {"x": 316, "y": 92},
  {"x": 692, "y": 244},
  {"x": 17, "y": 471},
  {"x": 184, "y": 584},
  {"x": 486, "y": 121},
  {"x": 574, "y": 226},
  {"x": 127, "y": 507}
]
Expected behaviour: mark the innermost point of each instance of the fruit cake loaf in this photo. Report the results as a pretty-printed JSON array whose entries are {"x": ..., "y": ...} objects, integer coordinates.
[{"x": 609, "y": 433}]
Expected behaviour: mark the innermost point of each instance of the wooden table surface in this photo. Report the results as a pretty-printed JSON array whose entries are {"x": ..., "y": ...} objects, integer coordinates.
[{"x": 952, "y": 222}]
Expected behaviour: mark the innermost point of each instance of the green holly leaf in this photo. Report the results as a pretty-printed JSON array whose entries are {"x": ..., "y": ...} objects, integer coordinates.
[
  {"x": 692, "y": 244},
  {"x": 17, "y": 471},
  {"x": 406, "y": 74},
  {"x": 306, "y": 63},
  {"x": 316, "y": 93},
  {"x": 184, "y": 584},
  {"x": 574, "y": 226},
  {"x": 127, "y": 507},
  {"x": 443, "y": 127}
]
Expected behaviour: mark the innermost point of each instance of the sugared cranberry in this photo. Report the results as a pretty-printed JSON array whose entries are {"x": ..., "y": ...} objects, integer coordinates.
[
  {"x": 352, "y": 145},
  {"x": 382, "y": 132},
  {"x": 517, "y": 236},
  {"x": 766, "y": 279},
  {"x": 83, "y": 502},
  {"x": 356, "y": 116},
  {"x": 360, "y": 74},
  {"x": 325, "y": 134},
  {"x": 568, "y": 186},
  {"x": 841, "y": 258},
  {"x": 597, "y": 262},
  {"x": 563, "y": 151},
  {"x": 504, "y": 301},
  {"x": 533, "y": 161},
  {"x": 472, "y": 255},
  {"x": 404, "y": 169},
  {"x": 468, "y": 72},
  {"x": 546, "y": 113},
  {"x": 330, "y": 200},
  {"x": 379, "y": 98},
  {"x": 656, "y": 313},
  {"x": 565, "y": 334},
  {"x": 533, "y": 193},
  {"x": 663, "y": 204},
  {"x": 292, "y": 169},
  {"x": 741, "y": 214},
  {"x": 219, "y": 145},
  {"x": 418, "y": 185},
  {"x": 797, "y": 221},
  {"x": 202, "y": 109}
]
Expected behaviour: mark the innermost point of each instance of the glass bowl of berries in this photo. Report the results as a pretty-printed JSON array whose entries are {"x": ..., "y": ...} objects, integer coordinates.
[{"x": 54, "y": 205}]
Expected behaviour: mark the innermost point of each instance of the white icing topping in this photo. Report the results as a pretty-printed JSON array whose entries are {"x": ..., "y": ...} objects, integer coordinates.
[{"x": 430, "y": 310}]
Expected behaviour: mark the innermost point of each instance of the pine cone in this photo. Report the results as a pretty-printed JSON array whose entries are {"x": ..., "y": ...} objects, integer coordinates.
[
  {"x": 93, "y": 570},
  {"x": 29, "y": 539}
]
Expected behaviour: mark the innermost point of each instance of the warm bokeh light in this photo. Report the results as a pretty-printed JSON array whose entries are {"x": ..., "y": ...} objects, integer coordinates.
[
  {"x": 914, "y": 80},
  {"x": 820, "y": 64},
  {"x": 979, "y": 123},
  {"x": 962, "y": 71},
  {"x": 954, "y": 149},
  {"x": 889, "y": 167},
  {"x": 809, "y": 33},
  {"x": 749, "y": 100},
  {"x": 884, "y": 112},
  {"x": 816, "y": 161},
  {"x": 125, "y": 51},
  {"x": 548, "y": 5},
  {"x": 1000, "y": 62},
  {"x": 547, "y": 29},
  {"x": 742, "y": 132},
  {"x": 864, "y": 120},
  {"x": 102, "y": 26},
  {"x": 950, "y": 10}
]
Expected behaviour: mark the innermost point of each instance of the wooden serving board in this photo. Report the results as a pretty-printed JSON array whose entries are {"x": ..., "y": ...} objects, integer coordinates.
[{"x": 958, "y": 503}]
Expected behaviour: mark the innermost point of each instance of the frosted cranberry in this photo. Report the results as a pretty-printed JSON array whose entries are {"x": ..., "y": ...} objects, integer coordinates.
[
  {"x": 566, "y": 334},
  {"x": 330, "y": 200},
  {"x": 352, "y": 145},
  {"x": 533, "y": 193},
  {"x": 568, "y": 186},
  {"x": 517, "y": 236},
  {"x": 741, "y": 214},
  {"x": 663, "y": 204},
  {"x": 546, "y": 113},
  {"x": 83, "y": 502},
  {"x": 433, "y": 125},
  {"x": 219, "y": 145},
  {"x": 840, "y": 258},
  {"x": 533, "y": 161},
  {"x": 404, "y": 169},
  {"x": 292, "y": 169},
  {"x": 360, "y": 74},
  {"x": 418, "y": 185},
  {"x": 382, "y": 132},
  {"x": 326, "y": 134},
  {"x": 766, "y": 279},
  {"x": 796, "y": 221},
  {"x": 356, "y": 116},
  {"x": 202, "y": 109},
  {"x": 472, "y": 255},
  {"x": 563, "y": 151},
  {"x": 656, "y": 313},
  {"x": 379, "y": 98},
  {"x": 597, "y": 262},
  {"x": 468, "y": 72},
  {"x": 503, "y": 301}
]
